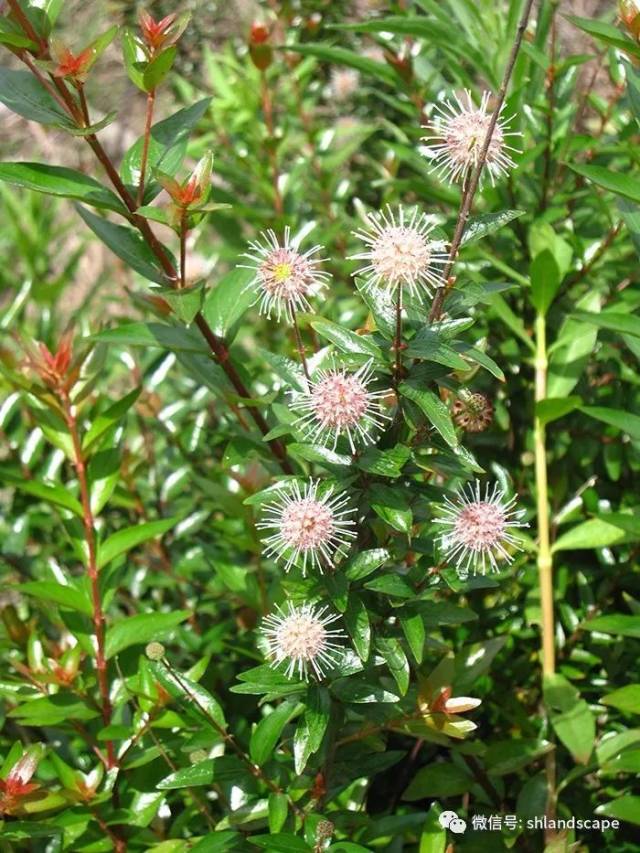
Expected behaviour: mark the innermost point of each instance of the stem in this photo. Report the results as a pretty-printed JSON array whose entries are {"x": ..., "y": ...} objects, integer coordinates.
[
  {"x": 300, "y": 344},
  {"x": 551, "y": 74},
  {"x": 217, "y": 345},
  {"x": 544, "y": 550},
  {"x": 231, "y": 741},
  {"x": 183, "y": 248},
  {"x": 92, "y": 569},
  {"x": 151, "y": 97},
  {"x": 397, "y": 343},
  {"x": 470, "y": 191}
]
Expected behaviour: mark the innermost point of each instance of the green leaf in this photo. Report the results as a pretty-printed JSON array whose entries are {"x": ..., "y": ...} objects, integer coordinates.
[
  {"x": 343, "y": 56},
  {"x": 109, "y": 418},
  {"x": 356, "y": 620},
  {"x": 365, "y": 563},
  {"x": 626, "y": 699},
  {"x": 626, "y": 324},
  {"x": 435, "y": 410},
  {"x": 606, "y": 33},
  {"x": 574, "y": 723},
  {"x": 65, "y": 596},
  {"x": 442, "y": 779},
  {"x": 396, "y": 660},
  {"x": 545, "y": 281},
  {"x": 158, "y": 68},
  {"x": 167, "y": 145},
  {"x": 392, "y": 507},
  {"x": 481, "y": 226},
  {"x": 53, "y": 710},
  {"x": 23, "y": 94},
  {"x": 504, "y": 757},
  {"x": 224, "y": 769},
  {"x": 554, "y": 408},
  {"x": 130, "y": 537},
  {"x": 266, "y": 734},
  {"x": 281, "y": 842},
  {"x": 361, "y": 691},
  {"x": 196, "y": 701},
  {"x": 229, "y": 299},
  {"x": 413, "y": 628},
  {"x": 574, "y": 345},
  {"x": 127, "y": 244},
  {"x": 626, "y": 808},
  {"x": 60, "y": 181},
  {"x": 433, "y": 838},
  {"x": 278, "y": 811},
  {"x": 312, "y": 726},
  {"x": 594, "y": 533},
  {"x": 173, "y": 338},
  {"x": 625, "y": 421},
  {"x": 621, "y": 184},
  {"x": 185, "y": 302},
  {"x": 385, "y": 463},
  {"x": 142, "y": 628},
  {"x": 347, "y": 340},
  {"x": 620, "y": 624},
  {"x": 57, "y": 495}
]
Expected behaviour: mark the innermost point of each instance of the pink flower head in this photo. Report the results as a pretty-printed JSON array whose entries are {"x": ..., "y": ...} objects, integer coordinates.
[
  {"x": 479, "y": 528},
  {"x": 308, "y": 526},
  {"x": 343, "y": 83},
  {"x": 400, "y": 251},
  {"x": 459, "y": 131},
  {"x": 286, "y": 277},
  {"x": 299, "y": 635},
  {"x": 340, "y": 403}
]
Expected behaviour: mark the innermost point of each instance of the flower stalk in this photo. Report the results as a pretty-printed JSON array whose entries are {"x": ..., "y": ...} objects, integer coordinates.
[{"x": 545, "y": 562}]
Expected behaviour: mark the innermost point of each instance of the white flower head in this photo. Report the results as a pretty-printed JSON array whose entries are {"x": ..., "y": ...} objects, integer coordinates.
[
  {"x": 307, "y": 526},
  {"x": 286, "y": 277},
  {"x": 479, "y": 528},
  {"x": 300, "y": 636},
  {"x": 340, "y": 403},
  {"x": 400, "y": 252},
  {"x": 458, "y": 133},
  {"x": 343, "y": 83}
]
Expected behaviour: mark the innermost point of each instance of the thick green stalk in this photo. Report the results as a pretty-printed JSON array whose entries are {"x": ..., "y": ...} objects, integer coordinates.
[{"x": 545, "y": 564}]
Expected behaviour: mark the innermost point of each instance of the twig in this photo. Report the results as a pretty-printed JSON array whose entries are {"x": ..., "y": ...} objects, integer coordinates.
[
  {"x": 468, "y": 195},
  {"x": 602, "y": 249},
  {"x": 397, "y": 342},
  {"x": 300, "y": 344}
]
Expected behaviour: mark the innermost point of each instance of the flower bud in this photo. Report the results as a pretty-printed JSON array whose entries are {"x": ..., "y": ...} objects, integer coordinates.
[
  {"x": 155, "y": 651},
  {"x": 260, "y": 49}
]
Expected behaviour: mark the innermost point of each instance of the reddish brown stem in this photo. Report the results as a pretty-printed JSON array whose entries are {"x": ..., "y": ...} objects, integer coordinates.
[
  {"x": 397, "y": 343},
  {"x": 183, "y": 249},
  {"x": 25, "y": 23},
  {"x": 217, "y": 345},
  {"x": 151, "y": 97},
  {"x": 92, "y": 568},
  {"x": 469, "y": 193}
]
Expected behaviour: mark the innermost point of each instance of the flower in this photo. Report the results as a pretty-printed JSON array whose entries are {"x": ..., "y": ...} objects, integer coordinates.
[
  {"x": 339, "y": 403},
  {"x": 308, "y": 526},
  {"x": 459, "y": 131},
  {"x": 400, "y": 251},
  {"x": 299, "y": 635},
  {"x": 343, "y": 83},
  {"x": 285, "y": 276},
  {"x": 473, "y": 412},
  {"x": 479, "y": 528},
  {"x": 159, "y": 35}
]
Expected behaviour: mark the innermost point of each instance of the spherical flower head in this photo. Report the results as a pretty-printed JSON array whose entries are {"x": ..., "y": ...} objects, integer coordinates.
[
  {"x": 340, "y": 403},
  {"x": 479, "y": 528},
  {"x": 473, "y": 412},
  {"x": 400, "y": 252},
  {"x": 285, "y": 276},
  {"x": 343, "y": 83},
  {"x": 459, "y": 131},
  {"x": 300, "y": 636},
  {"x": 308, "y": 527}
]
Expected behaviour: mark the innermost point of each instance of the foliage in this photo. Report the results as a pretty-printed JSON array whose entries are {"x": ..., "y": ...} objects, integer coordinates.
[{"x": 141, "y": 447}]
